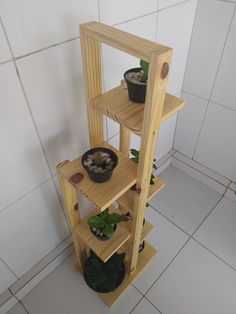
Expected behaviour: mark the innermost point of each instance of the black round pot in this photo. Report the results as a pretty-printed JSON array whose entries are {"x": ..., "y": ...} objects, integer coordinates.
[
  {"x": 136, "y": 92},
  {"x": 100, "y": 177},
  {"x": 102, "y": 238},
  {"x": 101, "y": 288}
]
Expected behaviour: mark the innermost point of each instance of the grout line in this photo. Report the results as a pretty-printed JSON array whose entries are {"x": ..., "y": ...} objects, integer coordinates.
[
  {"x": 113, "y": 136},
  {"x": 2, "y": 260},
  {"x": 173, "y": 5},
  {"x": 6, "y": 61},
  {"x": 152, "y": 304},
  {"x": 213, "y": 85},
  {"x": 24, "y": 195},
  {"x": 33, "y": 120},
  {"x": 206, "y": 175},
  {"x": 136, "y": 304},
  {"x": 134, "y": 18},
  {"x": 45, "y": 48},
  {"x": 99, "y": 11},
  {"x": 156, "y": 21}
]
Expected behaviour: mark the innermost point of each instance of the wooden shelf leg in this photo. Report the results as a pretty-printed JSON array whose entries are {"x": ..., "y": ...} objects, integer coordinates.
[
  {"x": 125, "y": 138},
  {"x": 70, "y": 199}
]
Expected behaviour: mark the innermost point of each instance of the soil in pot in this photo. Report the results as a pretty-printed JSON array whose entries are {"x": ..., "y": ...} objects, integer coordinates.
[
  {"x": 104, "y": 277},
  {"x": 99, "y": 163},
  {"x": 136, "y": 87}
]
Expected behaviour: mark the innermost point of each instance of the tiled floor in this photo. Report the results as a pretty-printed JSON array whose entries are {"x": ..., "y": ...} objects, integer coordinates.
[{"x": 193, "y": 272}]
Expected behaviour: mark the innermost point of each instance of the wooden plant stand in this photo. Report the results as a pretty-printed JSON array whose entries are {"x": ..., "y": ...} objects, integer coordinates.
[{"x": 143, "y": 120}]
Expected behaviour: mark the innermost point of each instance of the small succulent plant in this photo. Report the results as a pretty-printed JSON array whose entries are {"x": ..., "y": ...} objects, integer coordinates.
[
  {"x": 98, "y": 160},
  {"x": 144, "y": 68}
]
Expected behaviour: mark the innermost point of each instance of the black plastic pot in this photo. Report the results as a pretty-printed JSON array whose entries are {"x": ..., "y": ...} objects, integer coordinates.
[
  {"x": 136, "y": 92},
  {"x": 104, "y": 237},
  {"x": 100, "y": 177},
  {"x": 102, "y": 288}
]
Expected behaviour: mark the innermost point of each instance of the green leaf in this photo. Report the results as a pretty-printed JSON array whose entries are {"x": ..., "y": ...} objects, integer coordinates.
[
  {"x": 145, "y": 67},
  {"x": 108, "y": 230},
  {"x": 154, "y": 166},
  {"x": 134, "y": 160},
  {"x": 117, "y": 259},
  {"x": 134, "y": 152},
  {"x": 147, "y": 205},
  {"x": 95, "y": 222},
  {"x": 114, "y": 218},
  {"x": 104, "y": 214}
]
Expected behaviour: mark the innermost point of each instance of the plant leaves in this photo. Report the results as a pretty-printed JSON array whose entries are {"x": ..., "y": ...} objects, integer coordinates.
[
  {"x": 134, "y": 159},
  {"x": 145, "y": 67},
  {"x": 114, "y": 218},
  {"x": 108, "y": 230},
  {"x": 95, "y": 222},
  {"x": 134, "y": 152},
  {"x": 117, "y": 259},
  {"x": 154, "y": 166}
]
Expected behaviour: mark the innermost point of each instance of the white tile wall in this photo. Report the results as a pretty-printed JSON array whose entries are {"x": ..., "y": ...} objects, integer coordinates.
[
  {"x": 167, "y": 3},
  {"x": 7, "y": 277},
  {"x": 32, "y": 25},
  {"x": 190, "y": 119},
  {"x": 213, "y": 17},
  {"x": 4, "y": 50},
  {"x": 31, "y": 228},
  {"x": 112, "y": 11},
  {"x": 224, "y": 89},
  {"x": 217, "y": 146},
  {"x": 177, "y": 35},
  {"x": 23, "y": 166},
  {"x": 56, "y": 98}
]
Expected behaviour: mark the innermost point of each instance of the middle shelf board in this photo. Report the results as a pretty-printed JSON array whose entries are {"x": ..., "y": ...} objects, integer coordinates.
[
  {"x": 103, "y": 194},
  {"x": 116, "y": 105},
  {"x": 105, "y": 249}
]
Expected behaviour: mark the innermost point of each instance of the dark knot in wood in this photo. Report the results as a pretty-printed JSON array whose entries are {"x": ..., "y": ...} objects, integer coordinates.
[
  {"x": 138, "y": 190},
  {"x": 164, "y": 70},
  {"x": 76, "y": 178},
  {"x": 76, "y": 206}
]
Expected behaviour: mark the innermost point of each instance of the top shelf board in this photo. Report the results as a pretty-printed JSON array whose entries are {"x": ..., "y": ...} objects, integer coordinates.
[
  {"x": 116, "y": 105},
  {"x": 102, "y": 194},
  {"x": 131, "y": 44}
]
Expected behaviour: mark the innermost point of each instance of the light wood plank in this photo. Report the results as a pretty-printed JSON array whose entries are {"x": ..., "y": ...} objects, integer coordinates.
[
  {"x": 116, "y": 105},
  {"x": 129, "y": 43},
  {"x": 125, "y": 138},
  {"x": 104, "y": 194}
]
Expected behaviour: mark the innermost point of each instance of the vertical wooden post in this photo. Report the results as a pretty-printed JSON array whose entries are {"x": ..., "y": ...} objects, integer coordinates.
[
  {"x": 156, "y": 91},
  {"x": 91, "y": 57},
  {"x": 70, "y": 199},
  {"x": 125, "y": 137}
]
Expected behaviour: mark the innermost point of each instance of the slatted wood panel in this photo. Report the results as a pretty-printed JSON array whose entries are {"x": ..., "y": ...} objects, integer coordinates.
[
  {"x": 116, "y": 105},
  {"x": 127, "y": 199},
  {"x": 134, "y": 45},
  {"x": 103, "y": 194},
  {"x": 104, "y": 249}
]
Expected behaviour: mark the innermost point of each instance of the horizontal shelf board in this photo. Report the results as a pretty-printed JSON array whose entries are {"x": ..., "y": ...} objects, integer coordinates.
[
  {"x": 132, "y": 44},
  {"x": 104, "y": 249},
  {"x": 127, "y": 199},
  {"x": 116, "y": 105},
  {"x": 103, "y": 194},
  {"x": 143, "y": 259}
]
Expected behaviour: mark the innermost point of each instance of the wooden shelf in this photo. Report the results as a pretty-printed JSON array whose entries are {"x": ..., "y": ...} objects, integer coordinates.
[
  {"x": 116, "y": 105},
  {"x": 104, "y": 249},
  {"x": 127, "y": 199},
  {"x": 103, "y": 194},
  {"x": 143, "y": 259}
]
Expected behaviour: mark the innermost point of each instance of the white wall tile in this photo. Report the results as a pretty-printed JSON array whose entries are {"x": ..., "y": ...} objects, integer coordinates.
[
  {"x": 213, "y": 17},
  {"x": 112, "y": 11},
  {"x": 31, "y": 228},
  {"x": 189, "y": 123},
  {"x": 32, "y": 25},
  {"x": 167, "y": 3},
  {"x": 4, "y": 50},
  {"x": 56, "y": 97},
  {"x": 224, "y": 89},
  {"x": 174, "y": 29},
  {"x": 23, "y": 165},
  {"x": 7, "y": 277},
  {"x": 216, "y": 148},
  {"x": 17, "y": 309},
  {"x": 8, "y": 305}
]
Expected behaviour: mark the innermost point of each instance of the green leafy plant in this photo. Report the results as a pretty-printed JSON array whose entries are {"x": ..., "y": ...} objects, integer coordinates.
[
  {"x": 104, "y": 277},
  {"x": 145, "y": 67},
  {"x": 135, "y": 153},
  {"x": 105, "y": 222}
]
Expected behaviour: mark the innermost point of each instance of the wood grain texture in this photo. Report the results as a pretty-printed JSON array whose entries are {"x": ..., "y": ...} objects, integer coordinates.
[
  {"x": 104, "y": 194},
  {"x": 116, "y": 105},
  {"x": 125, "y": 138}
]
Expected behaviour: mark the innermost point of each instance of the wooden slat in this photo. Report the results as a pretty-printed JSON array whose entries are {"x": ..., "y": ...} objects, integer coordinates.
[
  {"x": 116, "y": 105},
  {"x": 104, "y": 194},
  {"x": 127, "y": 199},
  {"x": 104, "y": 249},
  {"x": 143, "y": 259},
  {"x": 134, "y": 45}
]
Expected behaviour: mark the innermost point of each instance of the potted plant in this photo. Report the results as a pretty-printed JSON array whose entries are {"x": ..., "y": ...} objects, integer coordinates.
[
  {"x": 99, "y": 163},
  {"x": 136, "y": 80},
  {"x": 104, "y": 224},
  {"x": 104, "y": 277}
]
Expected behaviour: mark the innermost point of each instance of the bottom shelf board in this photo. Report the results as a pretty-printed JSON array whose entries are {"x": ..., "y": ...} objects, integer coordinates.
[{"x": 144, "y": 257}]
